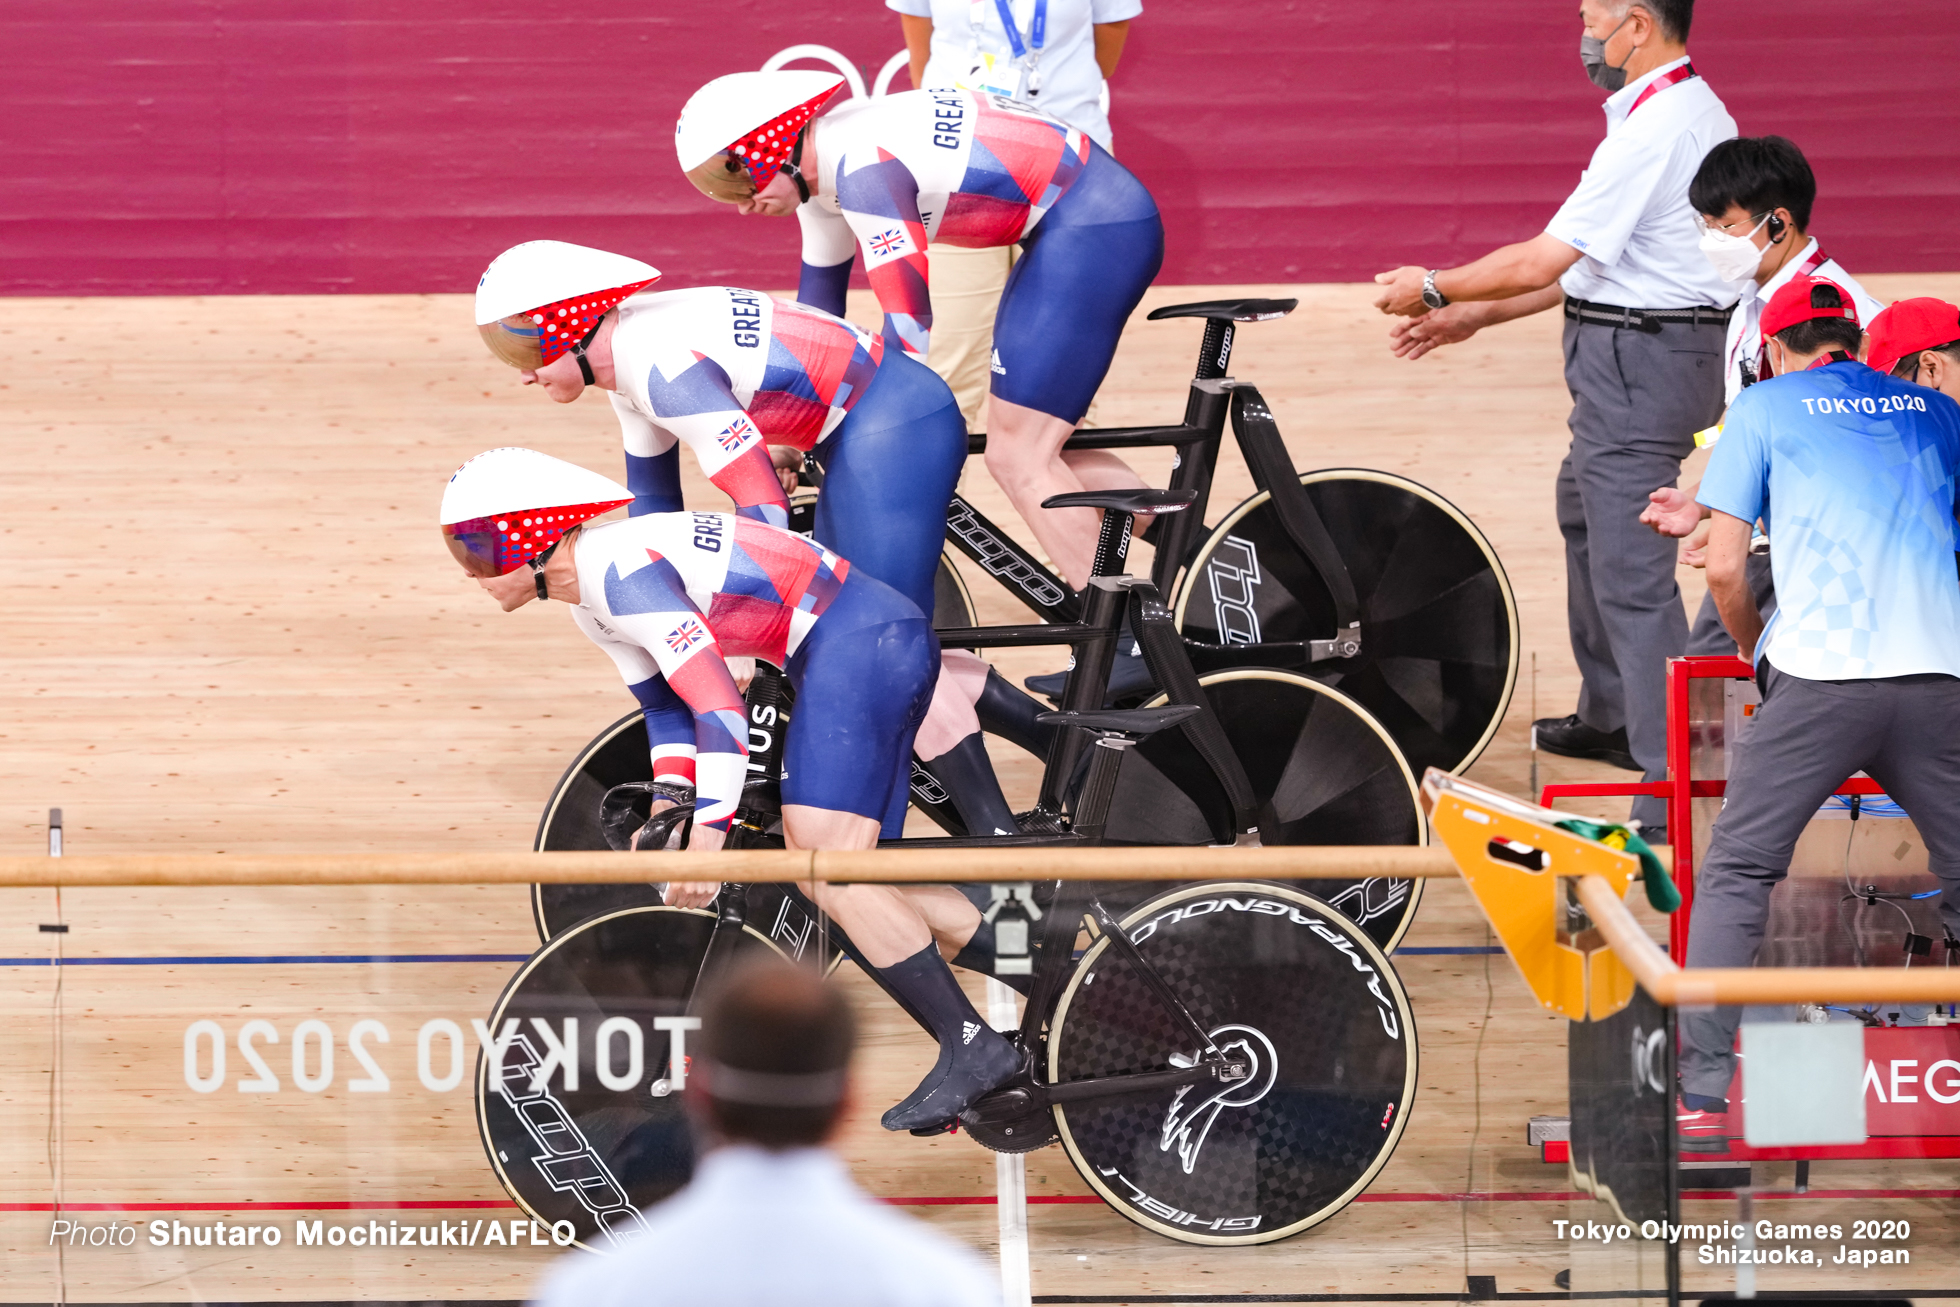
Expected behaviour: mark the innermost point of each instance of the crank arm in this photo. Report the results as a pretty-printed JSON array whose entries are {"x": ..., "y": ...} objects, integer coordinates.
[
  {"x": 1145, "y": 1082},
  {"x": 1019, "y": 1100}
]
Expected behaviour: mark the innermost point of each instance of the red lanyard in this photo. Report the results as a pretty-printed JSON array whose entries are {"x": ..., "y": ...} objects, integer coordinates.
[{"x": 1661, "y": 83}]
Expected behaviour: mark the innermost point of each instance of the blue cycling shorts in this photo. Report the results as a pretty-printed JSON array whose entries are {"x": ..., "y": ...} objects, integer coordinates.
[
  {"x": 863, "y": 679},
  {"x": 888, "y": 475},
  {"x": 1084, "y": 270}
]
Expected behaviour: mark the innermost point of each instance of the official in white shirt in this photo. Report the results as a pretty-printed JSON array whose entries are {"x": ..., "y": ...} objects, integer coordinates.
[
  {"x": 1754, "y": 197},
  {"x": 1054, "y": 54},
  {"x": 771, "y": 1216},
  {"x": 1645, "y": 316}
]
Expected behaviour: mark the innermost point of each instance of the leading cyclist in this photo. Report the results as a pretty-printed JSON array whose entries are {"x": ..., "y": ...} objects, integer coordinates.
[
  {"x": 667, "y": 595},
  {"x": 963, "y": 168},
  {"x": 725, "y": 370}
]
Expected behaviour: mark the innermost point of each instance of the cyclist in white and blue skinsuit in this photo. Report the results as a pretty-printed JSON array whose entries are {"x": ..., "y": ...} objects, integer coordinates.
[{"x": 1860, "y": 665}]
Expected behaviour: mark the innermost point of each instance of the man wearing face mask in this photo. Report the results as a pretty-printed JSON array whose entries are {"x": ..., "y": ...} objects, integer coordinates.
[
  {"x": 1644, "y": 316},
  {"x": 1753, "y": 196}
]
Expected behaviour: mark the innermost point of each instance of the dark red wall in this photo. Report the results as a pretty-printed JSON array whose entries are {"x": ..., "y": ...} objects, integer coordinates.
[{"x": 227, "y": 146}]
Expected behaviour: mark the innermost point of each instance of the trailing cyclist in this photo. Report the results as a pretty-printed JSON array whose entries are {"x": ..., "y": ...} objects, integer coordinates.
[
  {"x": 667, "y": 595},
  {"x": 730, "y": 372},
  {"x": 967, "y": 169}
]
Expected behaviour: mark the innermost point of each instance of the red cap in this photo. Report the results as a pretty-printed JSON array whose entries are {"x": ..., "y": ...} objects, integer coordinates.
[
  {"x": 1795, "y": 303},
  {"x": 1910, "y": 326}
]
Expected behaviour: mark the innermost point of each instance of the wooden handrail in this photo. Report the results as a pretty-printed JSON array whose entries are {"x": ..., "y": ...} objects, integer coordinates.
[
  {"x": 1321, "y": 862},
  {"x": 1672, "y": 985}
]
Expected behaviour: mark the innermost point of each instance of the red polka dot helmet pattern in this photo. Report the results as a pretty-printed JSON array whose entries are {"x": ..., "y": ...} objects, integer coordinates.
[
  {"x": 538, "y": 299},
  {"x": 753, "y": 119},
  {"x": 506, "y": 506}
]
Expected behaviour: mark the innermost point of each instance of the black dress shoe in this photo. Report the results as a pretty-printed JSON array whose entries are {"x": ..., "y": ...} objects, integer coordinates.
[{"x": 1571, "y": 738}]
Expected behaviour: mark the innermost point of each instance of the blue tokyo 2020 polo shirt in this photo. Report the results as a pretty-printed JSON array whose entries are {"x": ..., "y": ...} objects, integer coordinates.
[{"x": 1861, "y": 470}]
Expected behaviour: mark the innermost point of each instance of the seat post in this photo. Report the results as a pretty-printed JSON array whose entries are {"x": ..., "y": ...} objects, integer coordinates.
[{"x": 1113, "y": 544}]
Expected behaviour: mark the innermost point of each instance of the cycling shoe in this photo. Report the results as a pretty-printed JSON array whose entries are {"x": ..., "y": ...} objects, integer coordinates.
[
  {"x": 983, "y": 1061},
  {"x": 1129, "y": 676}
]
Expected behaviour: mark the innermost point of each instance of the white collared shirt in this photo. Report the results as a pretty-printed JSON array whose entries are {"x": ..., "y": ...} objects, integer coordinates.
[
  {"x": 765, "y": 1229},
  {"x": 1746, "y": 326},
  {"x": 1630, "y": 218}
]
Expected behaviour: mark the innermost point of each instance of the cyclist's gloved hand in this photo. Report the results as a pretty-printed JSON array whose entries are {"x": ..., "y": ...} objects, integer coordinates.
[{"x": 743, "y": 670}]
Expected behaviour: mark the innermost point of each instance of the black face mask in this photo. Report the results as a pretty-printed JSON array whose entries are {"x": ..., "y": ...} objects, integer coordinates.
[{"x": 1592, "y": 53}]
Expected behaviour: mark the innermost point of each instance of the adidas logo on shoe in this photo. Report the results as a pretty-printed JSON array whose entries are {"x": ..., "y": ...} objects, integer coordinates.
[{"x": 968, "y": 1031}]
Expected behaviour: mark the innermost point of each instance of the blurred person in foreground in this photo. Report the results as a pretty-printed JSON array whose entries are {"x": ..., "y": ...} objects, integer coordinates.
[{"x": 772, "y": 1216}]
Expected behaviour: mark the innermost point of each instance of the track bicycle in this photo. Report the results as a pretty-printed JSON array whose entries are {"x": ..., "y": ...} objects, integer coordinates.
[
  {"x": 1362, "y": 579},
  {"x": 1254, "y": 755},
  {"x": 1225, "y": 1063},
  {"x": 1415, "y": 586}
]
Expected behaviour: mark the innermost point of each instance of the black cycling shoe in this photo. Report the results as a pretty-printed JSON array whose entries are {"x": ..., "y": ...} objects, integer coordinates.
[
  {"x": 983, "y": 1061},
  {"x": 1129, "y": 676},
  {"x": 1569, "y": 737}
]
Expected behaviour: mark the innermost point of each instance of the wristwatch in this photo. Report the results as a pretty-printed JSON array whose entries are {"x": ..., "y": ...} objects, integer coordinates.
[{"x": 1432, "y": 297}]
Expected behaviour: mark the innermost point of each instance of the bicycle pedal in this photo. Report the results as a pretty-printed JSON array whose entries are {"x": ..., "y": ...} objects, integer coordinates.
[{"x": 951, "y": 1127}]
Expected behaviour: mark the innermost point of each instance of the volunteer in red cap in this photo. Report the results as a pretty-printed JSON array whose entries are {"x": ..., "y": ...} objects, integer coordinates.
[
  {"x": 1918, "y": 340},
  {"x": 1860, "y": 665}
]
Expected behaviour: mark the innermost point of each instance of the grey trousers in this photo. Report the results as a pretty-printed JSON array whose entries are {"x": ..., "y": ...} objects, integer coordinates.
[
  {"x": 1637, "y": 400},
  {"x": 1709, "y": 636},
  {"x": 1808, "y": 736}
]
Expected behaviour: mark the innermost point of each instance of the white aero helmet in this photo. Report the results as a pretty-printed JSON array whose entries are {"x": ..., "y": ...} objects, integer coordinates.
[
  {"x": 541, "y": 299},
  {"x": 511, "y": 506},
  {"x": 737, "y": 132}
]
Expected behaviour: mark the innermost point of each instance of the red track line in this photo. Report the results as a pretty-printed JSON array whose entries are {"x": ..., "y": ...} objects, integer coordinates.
[{"x": 961, "y": 1200}]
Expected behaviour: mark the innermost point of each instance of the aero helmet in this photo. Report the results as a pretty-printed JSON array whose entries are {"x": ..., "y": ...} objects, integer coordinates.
[
  {"x": 737, "y": 132},
  {"x": 541, "y": 299},
  {"x": 509, "y": 507}
]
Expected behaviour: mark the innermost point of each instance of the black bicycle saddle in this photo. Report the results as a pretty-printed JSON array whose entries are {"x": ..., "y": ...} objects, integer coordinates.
[
  {"x": 1249, "y": 310},
  {"x": 1125, "y": 501},
  {"x": 1130, "y": 721}
]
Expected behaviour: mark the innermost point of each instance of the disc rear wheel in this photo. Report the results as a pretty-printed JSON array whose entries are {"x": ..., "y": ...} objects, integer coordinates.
[
  {"x": 1270, "y": 974},
  {"x": 1329, "y": 770},
  {"x": 1439, "y": 624}
]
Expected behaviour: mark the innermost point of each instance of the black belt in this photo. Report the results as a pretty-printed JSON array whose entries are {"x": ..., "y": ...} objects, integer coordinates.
[{"x": 1647, "y": 320}]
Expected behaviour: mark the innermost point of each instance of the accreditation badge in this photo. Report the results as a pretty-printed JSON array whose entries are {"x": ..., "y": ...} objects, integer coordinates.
[{"x": 993, "y": 74}]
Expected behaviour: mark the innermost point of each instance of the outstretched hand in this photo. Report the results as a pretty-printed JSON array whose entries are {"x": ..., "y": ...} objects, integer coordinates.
[
  {"x": 1413, "y": 337},
  {"x": 1694, "y": 548},
  {"x": 1401, "y": 291},
  {"x": 1672, "y": 512}
]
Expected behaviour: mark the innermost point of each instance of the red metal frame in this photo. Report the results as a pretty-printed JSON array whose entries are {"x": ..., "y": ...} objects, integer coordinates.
[{"x": 1680, "y": 789}]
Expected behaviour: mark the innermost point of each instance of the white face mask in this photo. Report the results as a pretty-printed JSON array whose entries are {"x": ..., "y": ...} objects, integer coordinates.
[{"x": 1734, "y": 258}]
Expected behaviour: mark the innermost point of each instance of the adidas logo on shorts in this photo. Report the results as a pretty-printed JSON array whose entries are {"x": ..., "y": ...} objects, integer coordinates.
[
  {"x": 967, "y": 1031},
  {"x": 998, "y": 369}
]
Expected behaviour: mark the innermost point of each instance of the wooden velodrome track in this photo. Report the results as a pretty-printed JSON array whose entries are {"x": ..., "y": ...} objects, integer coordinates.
[{"x": 231, "y": 627}]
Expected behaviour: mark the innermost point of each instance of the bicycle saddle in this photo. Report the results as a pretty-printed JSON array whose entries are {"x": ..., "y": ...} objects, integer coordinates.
[
  {"x": 1125, "y": 501},
  {"x": 1248, "y": 310},
  {"x": 1129, "y": 721}
]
